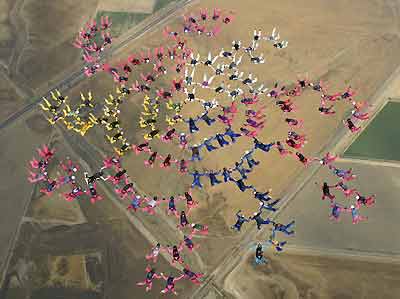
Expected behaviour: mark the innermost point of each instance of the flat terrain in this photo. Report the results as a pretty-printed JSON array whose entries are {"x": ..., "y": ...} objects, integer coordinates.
[
  {"x": 312, "y": 214},
  {"x": 380, "y": 139},
  {"x": 342, "y": 53},
  {"x": 300, "y": 276},
  {"x": 140, "y": 6}
]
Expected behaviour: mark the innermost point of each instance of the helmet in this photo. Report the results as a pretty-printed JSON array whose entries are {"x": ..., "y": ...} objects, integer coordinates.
[{"x": 352, "y": 207}]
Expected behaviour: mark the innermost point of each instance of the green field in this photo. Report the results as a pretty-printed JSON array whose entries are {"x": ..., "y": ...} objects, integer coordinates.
[
  {"x": 122, "y": 21},
  {"x": 381, "y": 139},
  {"x": 161, "y": 4}
]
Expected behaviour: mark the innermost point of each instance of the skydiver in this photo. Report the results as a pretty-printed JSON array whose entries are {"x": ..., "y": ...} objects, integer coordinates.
[
  {"x": 192, "y": 276},
  {"x": 326, "y": 191},
  {"x": 208, "y": 145},
  {"x": 169, "y": 135},
  {"x": 152, "y": 134},
  {"x": 355, "y": 214},
  {"x": 282, "y": 228},
  {"x": 199, "y": 228},
  {"x": 221, "y": 141},
  {"x": 172, "y": 207},
  {"x": 262, "y": 146},
  {"x": 51, "y": 185},
  {"x": 125, "y": 190},
  {"x": 302, "y": 158},
  {"x": 336, "y": 211},
  {"x": 327, "y": 159},
  {"x": 294, "y": 122},
  {"x": 187, "y": 241},
  {"x": 144, "y": 147},
  {"x": 183, "y": 221},
  {"x": 346, "y": 189},
  {"x": 345, "y": 175},
  {"x": 150, "y": 161},
  {"x": 135, "y": 203},
  {"x": 92, "y": 192},
  {"x": 196, "y": 152},
  {"x": 190, "y": 203},
  {"x": 155, "y": 251},
  {"x": 209, "y": 121},
  {"x": 151, "y": 204},
  {"x": 150, "y": 275},
  {"x": 351, "y": 126},
  {"x": 250, "y": 160},
  {"x": 259, "y": 220},
  {"x": 281, "y": 149},
  {"x": 263, "y": 197},
  {"x": 259, "y": 258},
  {"x": 170, "y": 287},
  {"x": 326, "y": 110},
  {"x": 182, "y": 141},
  {"x": 276, "y": 244},
  {"x": 292, "y": 143},
  {"x": 359, "y": 115},
  {"x": 196, "y": 179},
  {"x": 118, "y": 176},
  {"x": 167, "y": 162},
  {"x": 239, "y": 168},
  {"x": 182, "y": 166},
  {"x": 239, "y": 221},
  {"x": 241, "y": 185},
  {"x": 269, "y": 206},
  {"x": 175, "y": 253},
  {"x": 366, "y": 201},
  {"x": 227, "y": 174},
  {"x": 95, "y": 177},
  {"x": 213, "y": 178}
]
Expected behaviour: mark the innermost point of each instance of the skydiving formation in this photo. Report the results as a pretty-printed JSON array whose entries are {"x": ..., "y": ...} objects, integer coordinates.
[{"x": 168, "y": 79}]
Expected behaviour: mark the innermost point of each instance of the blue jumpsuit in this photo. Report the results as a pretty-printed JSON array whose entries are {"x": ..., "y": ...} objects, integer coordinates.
[
  {"x": 241, "y": 185},
  {"x": 220, "y": 138},
  {"x": 209, "y": 146},
  {"x": 284, "y": 228},
  {"x": 227, "y": 175},
  {"x": 209, "y": 121},
  {"x": 213, "y": 178},
  {"x": 239, "y": 222},
  {"x": 229, "y": 132},
  {"x": 192, "y": 126},
  {"x": 196, "y": 179},
  {"x": 259, "y": 221},
  {"x": 262, "y": 146}
]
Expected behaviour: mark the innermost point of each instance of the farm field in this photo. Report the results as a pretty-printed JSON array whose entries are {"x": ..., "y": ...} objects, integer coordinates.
[
  {"x": 55, "y": 237},
  {"x": 380, "y": 139},
  {"x": 299, "y": 275},
  {"x": 312, "y": 214}
]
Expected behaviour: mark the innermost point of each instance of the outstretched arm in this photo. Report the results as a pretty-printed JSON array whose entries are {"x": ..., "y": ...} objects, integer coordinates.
[{"x": 179, "y": 277}]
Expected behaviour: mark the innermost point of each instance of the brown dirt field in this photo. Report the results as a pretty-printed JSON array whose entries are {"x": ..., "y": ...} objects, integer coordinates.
[
  {"x": 10, "y": 101},
  {"x": 18, "y": 145},
  {"x": 341, "y": 54},
  {"x": 109, "y": 233},
  {"x": 55, "y": 208},
  {"x": 140, "y": 6},
  {"x": 51, "y": 29},
  {"x": 300, "y": 276},
  {"x": 312, "y": 214},
  {"x": 73, "y": 274},
  {"x": 6, "y": 38}
]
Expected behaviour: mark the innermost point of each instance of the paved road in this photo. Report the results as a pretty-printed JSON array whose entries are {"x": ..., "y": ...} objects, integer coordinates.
[
  {"x": 371, "y": 162},
  {"x": 77, "y": 77}
]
